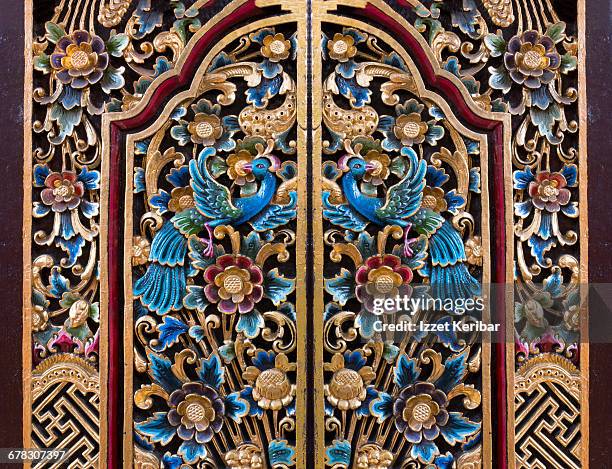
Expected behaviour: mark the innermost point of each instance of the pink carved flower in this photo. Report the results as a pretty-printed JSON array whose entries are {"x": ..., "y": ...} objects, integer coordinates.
[
  {"x": 548, "y": 191},
  {"x": 62, "y": 191},
  {"x": 382, "y": 277},
  {"x": 234, "y": 282}
]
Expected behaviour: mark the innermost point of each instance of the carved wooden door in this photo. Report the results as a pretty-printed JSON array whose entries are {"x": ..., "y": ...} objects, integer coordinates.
[{"x": 226, "y": 195}]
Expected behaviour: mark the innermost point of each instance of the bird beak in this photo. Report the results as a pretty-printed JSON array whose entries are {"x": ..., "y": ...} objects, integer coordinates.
[
  {"x": 248, "y": 167},
  {"x": 370, "y": 167}
]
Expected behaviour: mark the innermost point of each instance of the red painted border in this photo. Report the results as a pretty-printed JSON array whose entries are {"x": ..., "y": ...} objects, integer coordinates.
[
  {"x": 452, "y": 93},
  {"x": 115, "y": 264}
]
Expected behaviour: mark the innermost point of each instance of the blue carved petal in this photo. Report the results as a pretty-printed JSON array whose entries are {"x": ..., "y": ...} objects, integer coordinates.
[
  {"x": 435, "y": 177},
  {"x": 347, "y": 69},
  {"x": 406, "y": 371},
  {"x": 58, "y": 283},
  {"x": 436, "y": 112},
  {"x": 545, "y": 120},
  {"x": 171, "y": 461},
  {"x": 66, "y": 228},
  {"x": 570, "y": 210},
  {"x": 395, "y": 60},
  {"x": 281, "y": 453},
  {"x": 41, "y": 171},
  {"x": 192, "y": 451},
  {"x": 160, "y": 369},
  {"x": 354, "y": 360},
  {"x": 260, "y": 35},
  {"x": 391, "y": 142},
  {"x": 341, "y": 287},
  {"x": 385, "y": 124},
  {"x": 160, "y": 200},
  {"x": 358, "y": 36},
  {"x": 264, "y": 360},
  {"x": 112, "y": 79},
  {"x": 338, "y": 453},
  {"x": 553, "y": 284},
  {"x": 454, "y": 372},
  {"x": 197, "y": 333},
  {"x": 445, "y": 461},
  {"x": 454, "y": 201},
  {"x": 382, "y": 407},
  {"x": 390, "y": 352},
  {"x": 89, "y": 209},
  {"x": 540, "y": 97},
  {"x": 290, "y": 408},
  {"x": 206, "y": 106},
  {"x": 365, "y": 323},
  {"x": 329, "y": 409},
  {"x": 250, "y": 323},
  {"x": 70, "y": 97},
  {"x": 500, "y": 79},
  {"x": 539, "y": 247},
  {"x": 220, "y": 61},
  {"x": 147, "y": 18},
  {"x": 169, "y": 332},
  {"x": 277, "y": 287},
  {"x": 211, "y": 371},
  {"x": 40, "y": 210},
  {"x": 178, "y": 113},
  {"x": 195, "y": 298},
  {"x": 270, "y": 69},
  {"x": 227, "y": 351},
  {"x": 475, "y": 180},
  {"x": 161, "y": 65},
  {"x": 139, "y": 180},
  {"x": 425, "y": 451},
  {"x": 434, "y": 133},
  {"x": 179, "y": 177},
  {"x": 570, "y": 173},
  {"x": 458, "y": 428},
  {"x": 72, "y": 247},
  {"x": 180, "y": 133},
  {"x": 452, "y": 65},
  {"x": 522, "y": 178},
  {"x": 236, "y": 407},
  {"x": 157, "y": 428},
  {"x": 247, "y": 395},
  {"x": 448, "y": 336},
  {"x": 66, "y": 120},
  {"x": 142, "y": 442},
  {"x": 288, "y": 310},
  {"x": 523, "y": 209},
  {"x": 364, "y": 409},
  {"x": 142, "y": 146},
  {"x": 472, "y": 146},
  {"x": 545, "y": 230},
  {"x": 351, "y": 90},
  {"x": 230, "y": 123}
]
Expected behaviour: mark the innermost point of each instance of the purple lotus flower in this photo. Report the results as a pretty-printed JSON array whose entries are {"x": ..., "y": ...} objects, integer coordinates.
[{"x": 79, "y": 59}]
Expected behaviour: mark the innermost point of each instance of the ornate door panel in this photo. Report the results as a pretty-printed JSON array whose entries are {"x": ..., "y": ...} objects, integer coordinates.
[
  {"x": 393, "y": 138},
  {"x": 221, "y": 197}
]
